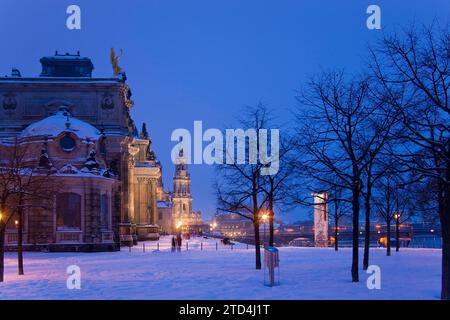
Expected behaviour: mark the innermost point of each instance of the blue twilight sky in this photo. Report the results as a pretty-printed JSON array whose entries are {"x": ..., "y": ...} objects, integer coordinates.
[{"x": 203, "y": 60}]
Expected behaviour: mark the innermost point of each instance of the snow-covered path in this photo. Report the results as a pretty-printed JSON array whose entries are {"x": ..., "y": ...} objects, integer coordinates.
[{"x": 305, "y": 273}]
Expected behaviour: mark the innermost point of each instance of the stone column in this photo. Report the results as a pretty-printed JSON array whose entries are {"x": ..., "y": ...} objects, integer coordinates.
[{"x": 127, "y": 227}]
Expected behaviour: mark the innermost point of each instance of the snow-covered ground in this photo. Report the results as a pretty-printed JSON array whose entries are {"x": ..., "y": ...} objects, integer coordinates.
[{"x": 305, "y": 273}]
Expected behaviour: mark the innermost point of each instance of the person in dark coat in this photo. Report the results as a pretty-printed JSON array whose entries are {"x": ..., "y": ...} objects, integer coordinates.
[
  {"x": 173, "y": 244},
  {"x": 179, "y": 242}
]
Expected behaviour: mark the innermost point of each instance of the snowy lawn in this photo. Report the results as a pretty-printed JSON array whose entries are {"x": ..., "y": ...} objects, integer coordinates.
[{"x": 305, "y": 273}]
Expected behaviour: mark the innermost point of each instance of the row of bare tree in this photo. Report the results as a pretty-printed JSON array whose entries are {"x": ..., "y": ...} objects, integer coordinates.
[
  {"x": 24, "y": 185},
  {"x": 375, "y": 141}
]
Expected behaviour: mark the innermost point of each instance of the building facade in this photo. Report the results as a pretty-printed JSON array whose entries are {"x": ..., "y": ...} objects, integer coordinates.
[{"x": 107, "y": 174}]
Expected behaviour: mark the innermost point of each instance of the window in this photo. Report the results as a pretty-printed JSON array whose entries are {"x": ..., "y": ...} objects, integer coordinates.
[
  {"x": 104, "y": 211},
  {"x": 67, "y": 143},
  {"x": 68, "y": 211}
]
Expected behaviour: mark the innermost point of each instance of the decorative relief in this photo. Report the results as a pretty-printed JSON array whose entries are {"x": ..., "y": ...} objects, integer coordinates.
[
  {"x": 9, "y": 101},
  {"x": 125, "y": 93},
  {"x": 107, "y": 102}
]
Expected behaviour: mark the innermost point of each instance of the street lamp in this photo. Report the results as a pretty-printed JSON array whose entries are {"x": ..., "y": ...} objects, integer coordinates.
[
  {"x": 264, "y": 219},
  {"x": 397, "y": 231}
]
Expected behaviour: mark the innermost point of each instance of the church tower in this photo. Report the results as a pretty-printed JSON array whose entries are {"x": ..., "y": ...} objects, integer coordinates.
[{"x": 182, "y": 198}]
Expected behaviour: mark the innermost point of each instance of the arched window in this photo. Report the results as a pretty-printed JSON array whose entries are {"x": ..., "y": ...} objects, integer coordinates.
[
  {"x": 68, "y": 211},
  {"x": 67, "y": 142},
  {"x": 104, "y": 211}
]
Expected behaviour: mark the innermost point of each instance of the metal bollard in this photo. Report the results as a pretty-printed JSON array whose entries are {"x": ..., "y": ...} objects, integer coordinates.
[
  {"x": 129, "y": 248},
  {"x": 157, "y": 246},
  {"x": 232, "y": 246},
  {"x": 201, "y": 246},
  {"x": 216, "y": 246},
  {"x": 187, "y": 246},
  {"x": 143, "y": 247}
]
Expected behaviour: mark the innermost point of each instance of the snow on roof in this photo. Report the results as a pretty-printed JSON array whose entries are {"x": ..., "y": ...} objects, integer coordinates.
[{"x": 62, "y": 121}]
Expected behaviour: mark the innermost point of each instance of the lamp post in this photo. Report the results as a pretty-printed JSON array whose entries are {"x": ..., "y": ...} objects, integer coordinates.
[
  {"x": 397, "y": 231},
  {"x": 397, "y": 218},
  {"x": 264, "y": 218}
]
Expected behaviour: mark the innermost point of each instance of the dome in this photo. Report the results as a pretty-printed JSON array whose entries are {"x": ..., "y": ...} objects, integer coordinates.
[{"x": 62, "y": 121}]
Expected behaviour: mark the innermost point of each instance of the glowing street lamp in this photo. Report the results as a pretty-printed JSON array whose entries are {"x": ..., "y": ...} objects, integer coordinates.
[
  {"x": 179, "y": 224},
  {"x": 264, "y": 218}
]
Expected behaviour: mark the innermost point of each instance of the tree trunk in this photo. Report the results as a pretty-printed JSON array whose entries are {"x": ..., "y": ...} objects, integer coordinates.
[
  {"x": 2, "y": 242},
  {"x": 367, "y": 228},
  {"x": 20, "y": 242},
  {"x": 445, "y": 285},
  {"x": 355, "y": 212},
  {"x": 2, "y": 251},
  {"x": 271, "y": 217},
  {"x": 444, "y": 214},
  {"x": 336, "y": 233},
  {"x": 397, "y": 234},
  {"x": 257, "y": 242},
  {"x": 388, "y": 236}
]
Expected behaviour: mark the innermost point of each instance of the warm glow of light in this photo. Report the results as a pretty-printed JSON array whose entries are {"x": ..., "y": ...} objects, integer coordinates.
[
  {"x": 179, "y": 223},
  {"x": 16, "y": 222},
  {"x": 432, "y": 230},
  {"x": 1, "y": 216},
  {"x": 264, "y": 217}
]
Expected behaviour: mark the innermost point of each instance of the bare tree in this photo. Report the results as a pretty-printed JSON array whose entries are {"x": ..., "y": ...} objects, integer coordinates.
[
  {"x": 385, "y": 203},
  {"x": 276, "y": 186},
  {"x": 24, "y": 184},
  {"x": 413, "y": 68},
  {"x": 340, "y": 210},
  {"x": 238, "y": 185},
  {"x": 342, "y": 129}
]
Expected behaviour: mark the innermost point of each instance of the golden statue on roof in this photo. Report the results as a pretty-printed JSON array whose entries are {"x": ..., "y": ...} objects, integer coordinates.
[{"x": 114, "y": 59}]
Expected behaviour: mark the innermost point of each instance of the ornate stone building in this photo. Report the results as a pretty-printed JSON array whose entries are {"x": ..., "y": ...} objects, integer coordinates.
[{"x": 78, "y": 121}]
